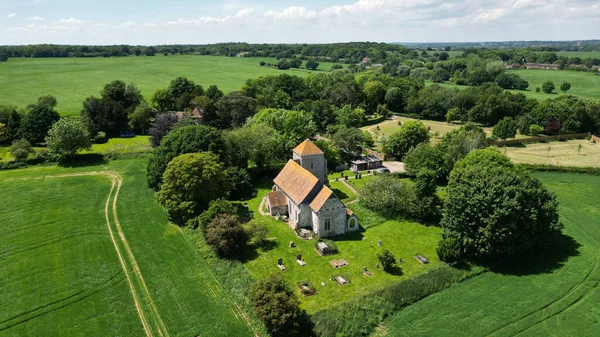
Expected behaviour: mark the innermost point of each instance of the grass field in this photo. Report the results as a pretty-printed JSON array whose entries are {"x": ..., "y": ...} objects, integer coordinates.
[
  {"x": 580, "y": 54},
  {"x": 555, "y": 294},
  {"x": 71, "y": 80},
  {"x": 81, "y": 253},
  {"x": 559, "y": 153},
  {"x": 403, "y": 238}
]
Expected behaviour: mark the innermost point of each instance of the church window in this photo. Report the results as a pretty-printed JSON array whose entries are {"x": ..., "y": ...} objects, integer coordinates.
[
  {"x": 312, "y": 165},
  {"x": 327, "y": 224}
]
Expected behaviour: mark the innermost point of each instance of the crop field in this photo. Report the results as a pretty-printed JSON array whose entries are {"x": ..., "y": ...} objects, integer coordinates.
[
  {"x": 553, "y": 294},
  {"x": 403, "y": 238},
  {"x": 558, "y": 153},
  {"x": 580, "y": 54},
  {"x": 584, "y": 84},
  {"x": 71, "y": 80},
  {"x": 87, "y": 251}
]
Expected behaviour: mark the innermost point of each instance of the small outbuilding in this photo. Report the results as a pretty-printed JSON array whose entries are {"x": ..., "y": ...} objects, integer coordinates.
[
  {"x": 364, "y": 163},
  {"x": 277, "y": 203}
]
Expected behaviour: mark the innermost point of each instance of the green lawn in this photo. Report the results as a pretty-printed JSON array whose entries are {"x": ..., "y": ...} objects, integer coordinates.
[
  {"x": 580, "y": 54},
  {"x": 71, "y": 80},
  {"x": 555, "y": 295},
  {"x": 60, "y": 268},
  {"x": 403, "y": 238},
  {"x": 558, "y": 153}
]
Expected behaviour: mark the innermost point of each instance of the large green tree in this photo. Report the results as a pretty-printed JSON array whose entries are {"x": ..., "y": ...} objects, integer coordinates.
[
  {"x": 505, "y": 129},
  {"x": 548, "y": 87},
  {"x": 187, "y": 139},
  {"x": 190, "y": 182},
  {"x": 496, "y": 210},
  {"x": 226, "y": 235},
  {"x": 38, "y": 119},
  {"x": 233, "y": 110},
  {"x": 67, "y": 137},
  {"x": 294, "y": 126},
  {"x": 10, "y": 117},
  {"x": 277, "y": 305},
  {"x": 411, "y": 134}
]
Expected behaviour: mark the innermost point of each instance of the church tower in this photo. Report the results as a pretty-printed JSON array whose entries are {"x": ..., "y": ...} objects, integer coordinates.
[{"x": 311, "y": 158}]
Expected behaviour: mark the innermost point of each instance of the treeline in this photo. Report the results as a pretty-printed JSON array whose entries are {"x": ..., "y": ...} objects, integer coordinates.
[
  {"x": 586, "y": 45},
  {"x": 343, "y": 52}
]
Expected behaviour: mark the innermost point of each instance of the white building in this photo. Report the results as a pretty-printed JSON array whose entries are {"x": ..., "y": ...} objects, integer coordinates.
[{"x": 301, "y": 192}]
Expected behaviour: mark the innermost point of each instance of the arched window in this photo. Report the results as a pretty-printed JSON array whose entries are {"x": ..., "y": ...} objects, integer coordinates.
[{"x": 352, "y": 223}]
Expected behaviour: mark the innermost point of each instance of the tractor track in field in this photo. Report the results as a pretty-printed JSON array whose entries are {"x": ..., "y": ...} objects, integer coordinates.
[{"x": 150, "y": 318}]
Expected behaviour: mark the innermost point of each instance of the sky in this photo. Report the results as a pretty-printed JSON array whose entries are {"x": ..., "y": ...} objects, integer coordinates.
[{"x": 153, "y": 22}]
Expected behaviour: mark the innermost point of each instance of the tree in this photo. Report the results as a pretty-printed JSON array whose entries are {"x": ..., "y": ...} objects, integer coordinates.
[
  {"x": 426, "y": 157},
  {"x": 277, "y": 305},
  {"x": 140, "y": 120},
  {"x": 395, "y": 100},
  {"x": 162, "y": 125},
  {"x": 548, "y": 87},
  {"x": 349, "y": 139},
  {"x": 293, "y": 126},
  {"x": 505, "y": 129},
  {"x": 453, "y": 115},
  {"x": 226, "y": 236},
  {"x": 495, "y": 210},
  {"x": 427, "y": 203},
  {"x": 312, "y": 65},
  {"x": 332, "y": 153},
  {"x": 374, "y": 93},
  {"x": 234, "y": 109},
  {"x": 387, "y": 260},
  {"x": 387, "y": 195},
  {"x": 187, "y": 139},
  {"x": 411, "y": 134},
  {"x": 162, "y": 100},
  {"x": 67, "y": 137},
  {"x": 455, "y": 145},
  {"x": 349, "y": 117},
  {"x": 535, "y": 130},
  {"x": 3, "y": 57},
  {"x": 190, "y": 182},
  {"x": 3, "y": 132},
  {"x": 443, "y": 56},
  {"x": 215, "y": 208},
  {"x": 10, "y": 117},
  {"x": 20, "y": 149},
  {"x": 565, "y": 87},
  {"x": 38, "y": 119}
]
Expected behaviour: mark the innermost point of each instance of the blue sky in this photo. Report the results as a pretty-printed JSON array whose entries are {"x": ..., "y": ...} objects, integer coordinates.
[{"x": 291, "y": 21}]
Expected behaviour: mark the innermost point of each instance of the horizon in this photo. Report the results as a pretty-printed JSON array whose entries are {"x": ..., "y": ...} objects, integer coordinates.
[{"x": 160, "y": 22}]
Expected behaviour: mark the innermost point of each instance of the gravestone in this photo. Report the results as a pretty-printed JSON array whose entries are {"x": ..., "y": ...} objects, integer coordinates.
[
  {"x": 377, "y": 266},
  {"x": 365, "y": 270},
  {"x": 400, "y": 260},
  {"x": 379, "y": 243},
  {"x": 280, "y": 261},
  {"x": 323, "y": 284},
  {"x": 299, "y": 257},
  {"x": 292, "y": 245}
]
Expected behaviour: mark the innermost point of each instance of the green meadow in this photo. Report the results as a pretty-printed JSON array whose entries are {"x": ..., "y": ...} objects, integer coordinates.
[
  {"x": 553, "y": 294},
  {"x": 88, "y": 252},
  {"x": 71, "y": 80}
]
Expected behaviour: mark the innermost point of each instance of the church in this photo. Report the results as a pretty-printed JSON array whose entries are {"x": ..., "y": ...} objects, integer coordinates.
[{"x": 302, "y": 193}]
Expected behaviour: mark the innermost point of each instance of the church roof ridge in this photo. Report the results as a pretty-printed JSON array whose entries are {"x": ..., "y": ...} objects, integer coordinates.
[{"x": 307, "y": 148}]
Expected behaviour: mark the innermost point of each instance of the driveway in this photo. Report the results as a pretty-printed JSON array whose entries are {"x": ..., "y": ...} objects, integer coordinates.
[{"x": 394, "y": 166}]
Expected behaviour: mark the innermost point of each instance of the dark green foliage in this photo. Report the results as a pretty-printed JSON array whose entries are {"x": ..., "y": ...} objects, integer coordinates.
[
  {"x": 332, "y": 153},
  {"x": 387, "y": 195},
  {"x": 140, "y": 120},
  {"x": 191, "y": 181},
  {"x": 426, "y": 157},
  {"x": 20, "y": 149},
  {"x": 505, "y": 129},
  {"x": 38, "y": 119},
  {"x": 349, "y": 117},
  {"x": 293, "y": 126},
  {"x": 162, "y": 125},
  {"x": 456, "y": 144},
  {"x": 479, "y": 77},
  {"x": 216, "y": 207},
  {"x": 183, "y": 140},
  {"x": 426, "y": 202},
  {"x": 110, "y": 112},
  {"x": 449, "y": 250},
  {"x": 568, "y": 114},
  {"x": 239, "y": 180},
  {"x": 233, "y": 110},
  {"x": 511, "y": 81},
  {"x": 67, "y": 137},
  {"x": 565, "y": 87},
  {"x": 12, "y": 121},
  {"x": 548, "y": 87},
  {"x": 411, "y": 134},
  {"x": 312, "y": 65},
  {"x": 395, "y": 99},
  {"x": 226, "y": 236},
  {"x": 257, "y": 232},
  {"x": 277, "y": 305},
  {"x": 387, "y": 260},
  {"x": 495, "y": 210},
  {"x": 348, "y": 139},
  {"x": 3, "y": 57}
]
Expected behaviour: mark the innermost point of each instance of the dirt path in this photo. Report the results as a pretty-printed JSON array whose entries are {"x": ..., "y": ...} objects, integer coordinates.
[
  {"x": 353, "y": 191},
  {"x": 134, "y": 275},
  {"x": 261, "y": 206}
]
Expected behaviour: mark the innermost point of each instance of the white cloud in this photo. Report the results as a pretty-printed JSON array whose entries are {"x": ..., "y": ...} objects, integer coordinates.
[
  {"x": 373, "y": 20},
  {"x": 36, "y": 18},
  {"x": 12, "y": 15}
]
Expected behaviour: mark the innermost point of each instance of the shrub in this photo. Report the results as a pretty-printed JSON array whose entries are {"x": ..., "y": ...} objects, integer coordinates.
[
  {"x": 257, "y": 232},
  {"x": 262, "y": 63},
  {"x": 548, "y": 87},
  {"x": 535, "y": 130},
  {"x": 215, "y": 207},
  {"x": 410, "y": 135},
  {"x": 387, "y": 195},
  {"x": 101, "y": 138},
  {"x": 537, "y": 89},
  {"x": 226, "y": 236},
  {"x": 448, "y": 250},
  {"x": 20, "y": 149},
  {"x": 387, "y": 260}
]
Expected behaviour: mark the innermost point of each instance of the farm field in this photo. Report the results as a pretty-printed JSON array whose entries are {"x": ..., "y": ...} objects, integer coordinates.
[
  {"x": 555, "y": 294},
  {"x": 558, "y": 153},
  {"x": 580, "y": 54},
  {"x": 403, "y": 238},
  {"x": 71, "y": 80},
  {"x": 83, "y": 268}
]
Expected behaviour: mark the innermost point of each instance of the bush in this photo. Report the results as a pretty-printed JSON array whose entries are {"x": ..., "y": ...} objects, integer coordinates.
[
  {"x": 101, "y": 138},
  {"x": 410, "y": 135},
  {"x": 548, "y": 87},
  {"x": 215, "y": 207},
  {"x": 226, "y": 236},
  {"x": 262, "y": 63},
  {"x": 448, "y": 250},
  {"x": 20, "y": 149},
  {"x": 535, "y": 130},
  {"x": 537, "y": 89},
  {"x": 257, "y": 232},
  {"x": 387, "y": 195},
  {"x": 387, "y": 260}
]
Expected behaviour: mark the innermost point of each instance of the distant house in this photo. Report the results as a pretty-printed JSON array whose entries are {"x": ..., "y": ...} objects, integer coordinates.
[
  {"x": 364, "y": 163},
  {"x": 196, "y": 114},
  {"x": 301, "y": 191},
  {"x": 541, "y": 66},
  {"x": 364, "y": 60},
  {"x": 514, "y": 66}
]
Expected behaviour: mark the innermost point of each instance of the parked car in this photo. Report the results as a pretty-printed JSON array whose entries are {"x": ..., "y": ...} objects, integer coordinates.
[
  {"x": 383, "y": 170},
  {"x": 127, "y": 134}
]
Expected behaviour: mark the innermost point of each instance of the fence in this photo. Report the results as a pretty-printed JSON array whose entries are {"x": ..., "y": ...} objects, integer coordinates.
[
  {"x": 375, "y": 154},
  {"x": 541, "y": 139}
]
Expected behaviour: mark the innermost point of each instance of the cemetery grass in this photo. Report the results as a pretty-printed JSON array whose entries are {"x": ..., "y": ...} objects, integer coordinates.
[
  {"x": 404, "y": 239},
  {"x": 71, "y": 80},
  {"x": 557, "y": 153},
  {"x": 60, "y": 268},
  {"x": 555, "y": 293}
]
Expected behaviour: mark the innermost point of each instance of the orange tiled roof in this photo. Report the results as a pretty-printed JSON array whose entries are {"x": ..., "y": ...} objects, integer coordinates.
[
  {"x": 307, "y": 148},
  {"x": 321, "y": 198},
  {"x": 349, "y": 212},
  {"x": 277, "y": 199},
  {"x": 296, "y": 181}
]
